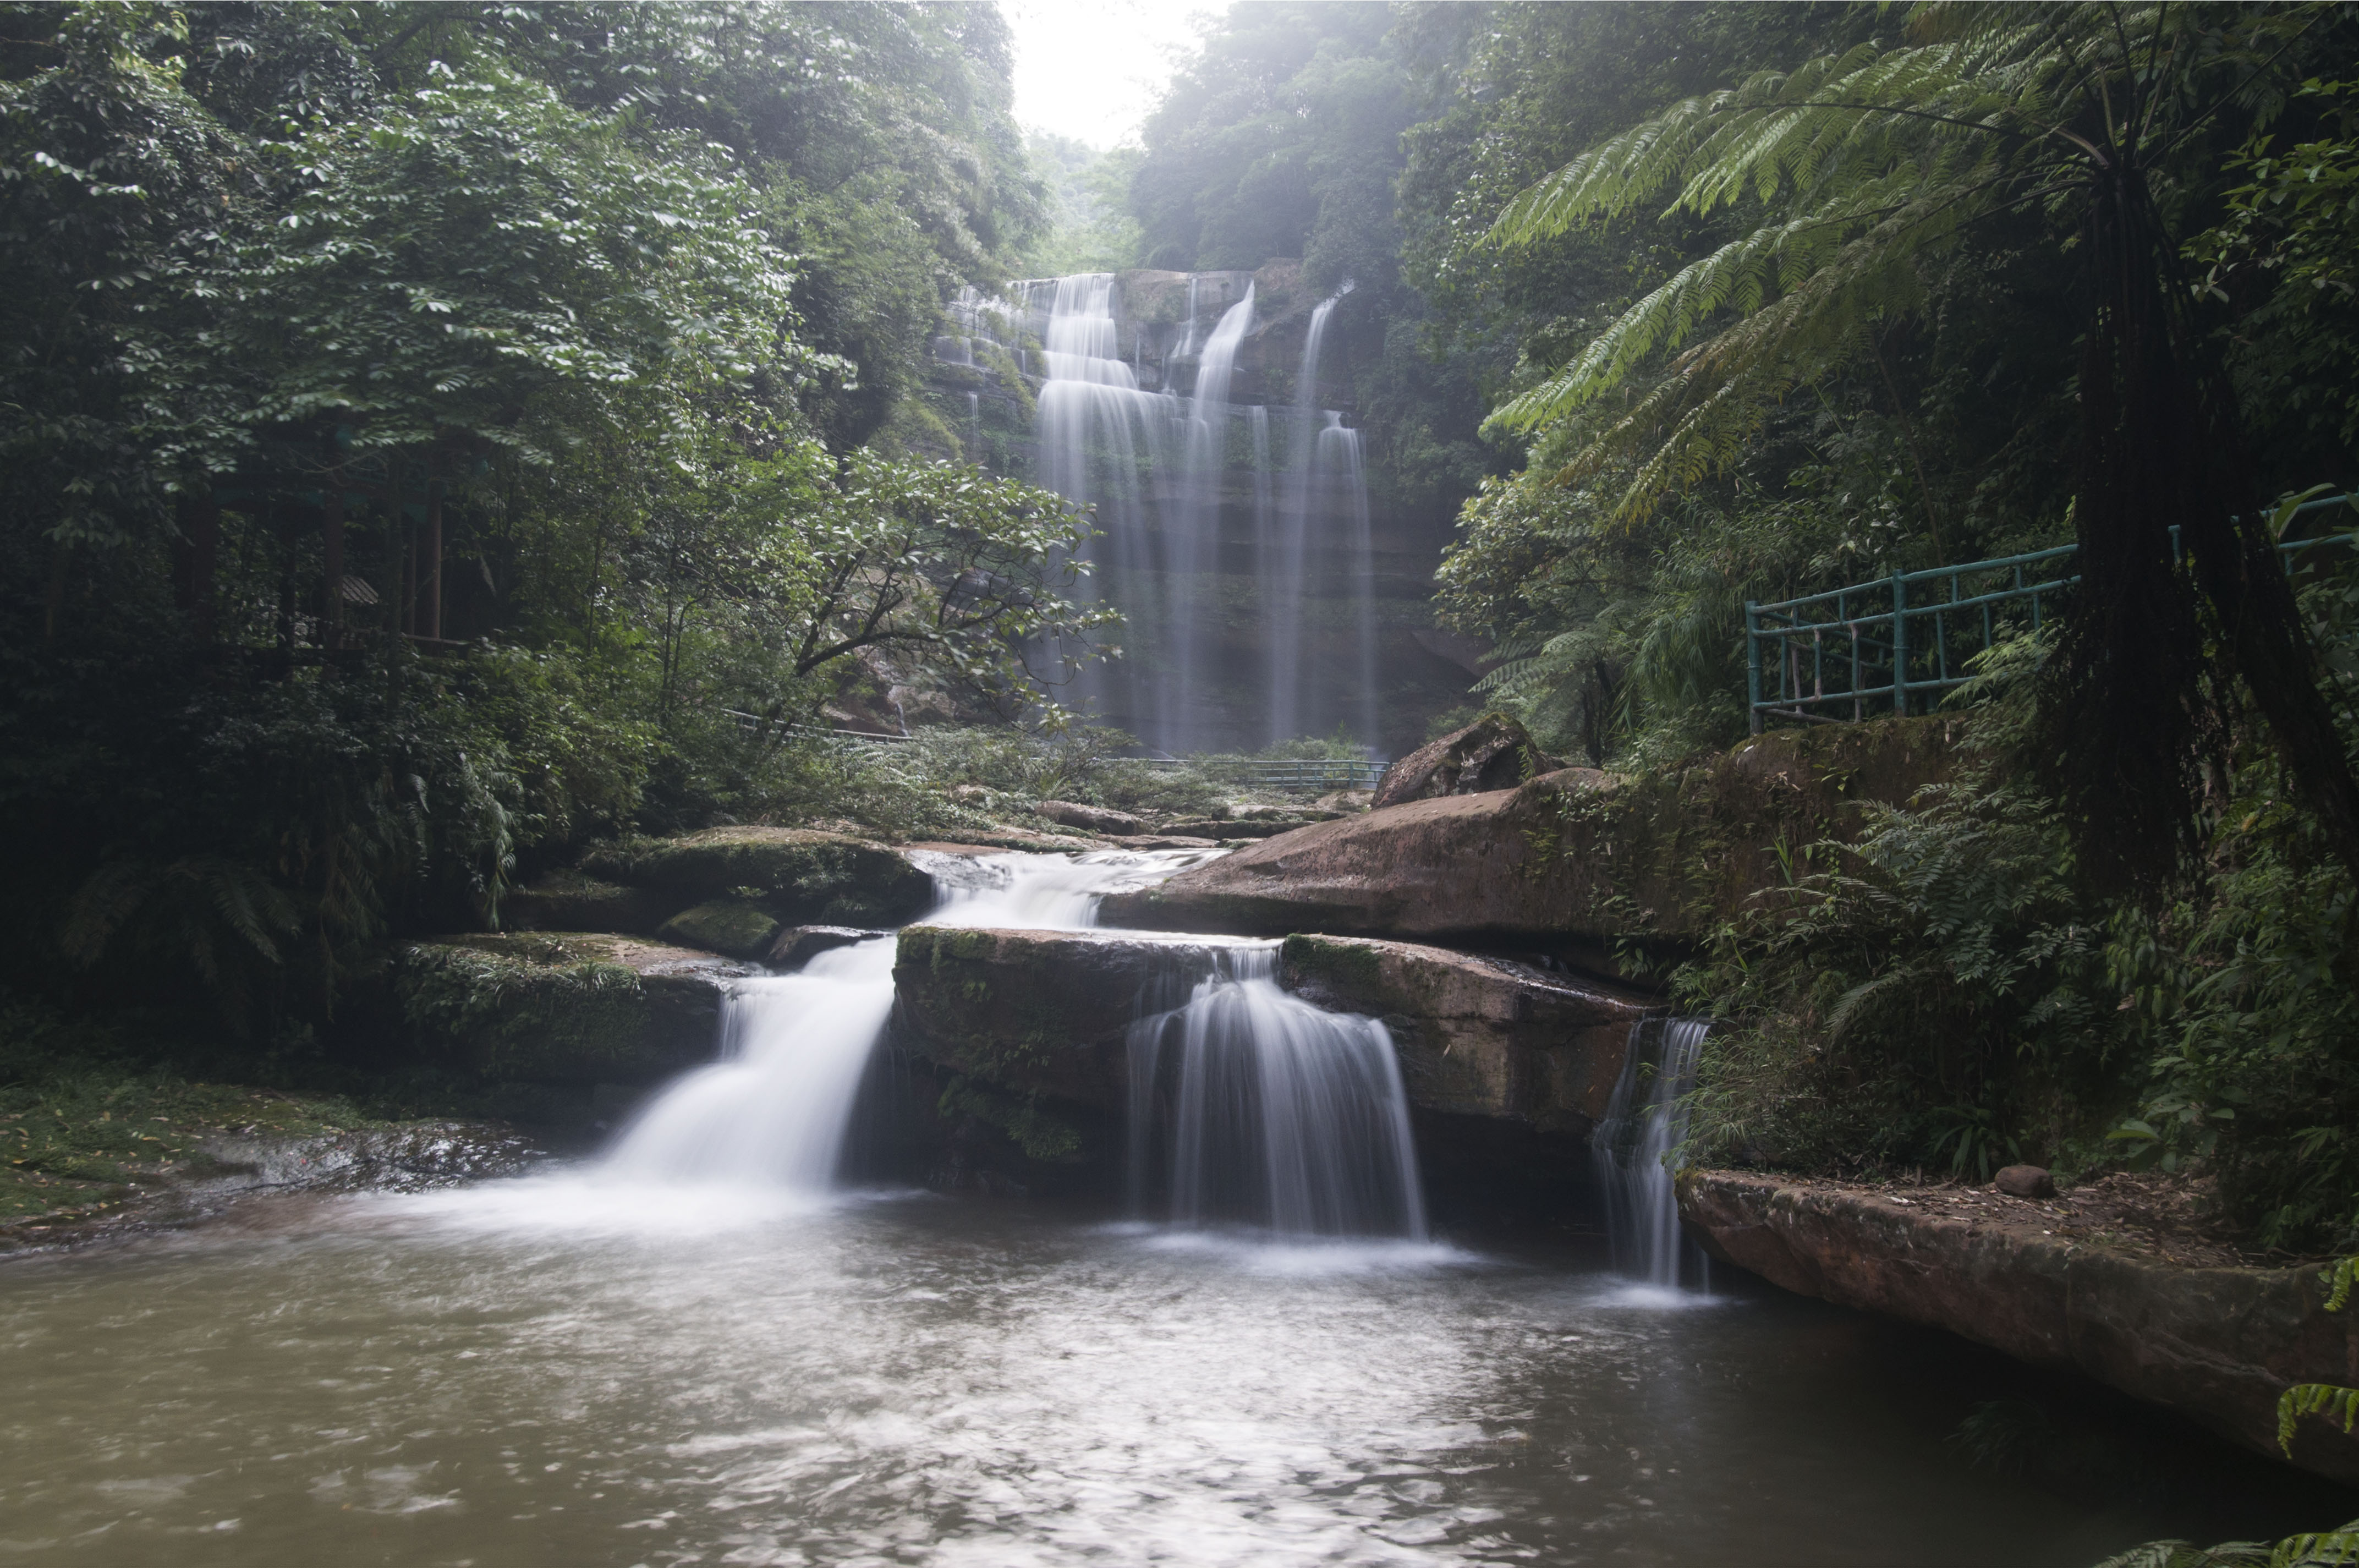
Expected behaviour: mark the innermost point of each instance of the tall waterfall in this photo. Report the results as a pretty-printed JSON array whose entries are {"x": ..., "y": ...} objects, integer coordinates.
[
  {"x": 1643, "y": 1123},
  {"x": 1251, "y": 1106},
  {"x": 774, "y": 1110},
  {"x": 1242, "y": 561},
  {"x": 1193, "y": 534}
]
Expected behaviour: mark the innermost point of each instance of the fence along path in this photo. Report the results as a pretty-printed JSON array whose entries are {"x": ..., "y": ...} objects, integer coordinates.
[{"x": 1899, "y": 643}]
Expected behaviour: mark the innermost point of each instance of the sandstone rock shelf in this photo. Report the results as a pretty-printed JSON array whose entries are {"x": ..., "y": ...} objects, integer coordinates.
[{"x": 2216, "y": 1343}]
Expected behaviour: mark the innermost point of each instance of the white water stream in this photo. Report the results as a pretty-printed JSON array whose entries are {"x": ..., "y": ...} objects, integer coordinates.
[
  {"x": 1635, "y": 1149},
  {"x": 1270, "y": 1112},
  {"x": 773, "y": 1111}
]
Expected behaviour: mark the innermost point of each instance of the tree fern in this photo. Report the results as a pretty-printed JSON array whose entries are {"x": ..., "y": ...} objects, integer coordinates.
[{"x": 1865, "y": 168}]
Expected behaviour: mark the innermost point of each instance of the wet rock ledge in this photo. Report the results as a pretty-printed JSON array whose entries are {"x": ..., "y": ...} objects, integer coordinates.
[
  {"x": 2216, "y": 1343},
  {"x": 1046, "y": 1014}
]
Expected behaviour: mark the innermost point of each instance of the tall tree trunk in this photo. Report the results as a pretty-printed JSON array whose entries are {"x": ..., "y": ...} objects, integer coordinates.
[{"x": 2135, "y": 704}]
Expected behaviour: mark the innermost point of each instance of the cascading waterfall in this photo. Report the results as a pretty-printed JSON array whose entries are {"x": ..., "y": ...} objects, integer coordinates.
[
  {"x": 1253, "y": 1107},
  {"x": 1173, "y": 508},
  {"x": 1282, "y": 588},
  {"x": 773, "y": 1111},
  {"x": 1340, "y": 459},
  {"x": 1192, "y": 538},
  {"x": 1644, "y": 1123},
  {"x": 1101, "y": 438}
]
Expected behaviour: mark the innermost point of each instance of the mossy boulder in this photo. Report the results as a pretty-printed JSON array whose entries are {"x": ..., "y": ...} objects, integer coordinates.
[
  {"x": 1569, "y": 861},
  {"x": 733, "y": 926},
  {"x": 1036, "y": 1012},
  {"x": 796, "y": 876},
  {"x": 569, "y": 901},
  {"x": 574, "y": 1008}
]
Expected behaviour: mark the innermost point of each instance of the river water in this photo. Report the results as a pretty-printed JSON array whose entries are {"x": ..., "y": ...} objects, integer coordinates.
[
  {"x": 538, "y": 1372},
  {"x": 699, "y": 1350}
]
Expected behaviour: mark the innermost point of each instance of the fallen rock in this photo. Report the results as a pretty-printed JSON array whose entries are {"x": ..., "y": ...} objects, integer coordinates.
[
  {"x": 2218, "y": 1345},
  {"x": 733, "y": 926},
  {"x": 795, "y": 875},
  {"x": 1478, "y": 1036},
  {"x": 1165, "y": 841},
  {"x": 1576, "y": 857},
  {"x": 580, "y": 1008},
  {"x": 798, "y": 945},
  {"x": 2025, "y": 1182},
  {"x": 1492, "y": 752},
  {"x": 1089, "y": 819}
]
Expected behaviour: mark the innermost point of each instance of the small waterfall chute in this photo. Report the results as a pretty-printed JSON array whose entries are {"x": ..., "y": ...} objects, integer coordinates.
[
  {"x": 1251, "y": 1106},
  {"x": 1633, "y": 1149},
  {"x": 775, "y": 1109}
]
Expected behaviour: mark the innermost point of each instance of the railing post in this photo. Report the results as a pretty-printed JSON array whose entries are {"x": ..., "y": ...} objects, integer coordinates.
[
  {"x": 1900, "y": 643},
  {"x": 1753, "y": 663}
]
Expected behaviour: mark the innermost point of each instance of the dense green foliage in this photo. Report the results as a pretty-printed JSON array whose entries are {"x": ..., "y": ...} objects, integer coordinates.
[{"x": 434, "y": 435}]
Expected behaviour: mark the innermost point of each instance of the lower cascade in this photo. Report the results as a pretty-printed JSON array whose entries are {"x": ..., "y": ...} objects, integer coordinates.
[
  {"x": 1644, "y": 1122},
  {"x": 775, "y": 1109},
  {"x": 1250, "y": 1105}
]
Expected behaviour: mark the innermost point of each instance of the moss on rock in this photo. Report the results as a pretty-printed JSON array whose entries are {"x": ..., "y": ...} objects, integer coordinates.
[
  {"x": 733, "y": 926},
  {"x": 575, "y": 1008},
  {"x": 796, "y": 875}
]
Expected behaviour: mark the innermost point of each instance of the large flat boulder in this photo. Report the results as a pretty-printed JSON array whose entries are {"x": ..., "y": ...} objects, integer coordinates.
[
  {"x": 1573, "y": 858},
  {"x": 574, "y": 1008},
  {"x": 796, "y": 875},
  {"x": 1038, "y": 1012},
  {"x": 1476, "y": 1035},
  {"x": 2216, "y": 1343}
]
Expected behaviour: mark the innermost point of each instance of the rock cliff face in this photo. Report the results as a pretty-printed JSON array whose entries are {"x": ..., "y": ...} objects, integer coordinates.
[
  {"x": 1571, "y": 860},
  {"x": 2218, "y": 1345}
]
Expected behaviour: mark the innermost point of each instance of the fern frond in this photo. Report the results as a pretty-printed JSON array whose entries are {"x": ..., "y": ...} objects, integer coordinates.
[
  {"x": 2338, "y": 1278},
  {"x": 2325, "y": 1549},
  {"x": 2326, "y": 1400}
]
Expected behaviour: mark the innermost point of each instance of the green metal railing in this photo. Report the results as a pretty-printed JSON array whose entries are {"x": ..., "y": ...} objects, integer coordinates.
[{"x": 1898, "y": 644}]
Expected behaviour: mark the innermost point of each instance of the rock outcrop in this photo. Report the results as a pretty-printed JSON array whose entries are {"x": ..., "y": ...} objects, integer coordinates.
[
  {"x": 733, "y": 926},
  {"x": 1089, "y": 819},
  {"x": 1478, "y": 1036},
  {"x": 569, "y": 901},
  {"x": 795, "y": 876},
  {"x": 1569, "y": 860},
  {"x": 1492, "y": 752},
  {"x": 1049, "y": 1013},
  {"x": 798, "y": 945},
  {"x": 577, "y": 1009},
  {"x": 2218, "y": 1345},
  {"x": 1037, "y": 1012}
]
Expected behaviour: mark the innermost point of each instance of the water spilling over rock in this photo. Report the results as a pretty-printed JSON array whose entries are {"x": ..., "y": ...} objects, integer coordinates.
[
  {"x": 773, "y": 1110},
  {"x": 1250, "y": 1105},
  {"x": 1643, "y": 1125}
]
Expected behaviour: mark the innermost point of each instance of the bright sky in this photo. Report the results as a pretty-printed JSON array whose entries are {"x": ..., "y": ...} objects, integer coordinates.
[{"x": 1091, "y": 69}]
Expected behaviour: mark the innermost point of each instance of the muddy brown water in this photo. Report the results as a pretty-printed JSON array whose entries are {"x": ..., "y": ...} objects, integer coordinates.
[{"x": 555, "y": 1370}]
